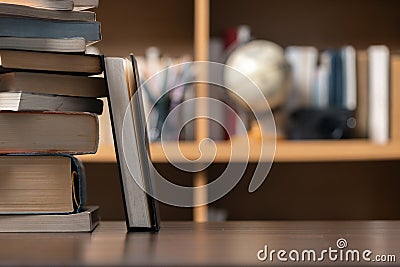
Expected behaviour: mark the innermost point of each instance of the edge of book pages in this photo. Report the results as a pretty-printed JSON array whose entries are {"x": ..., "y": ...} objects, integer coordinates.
[{"x": 85, "y": 221}]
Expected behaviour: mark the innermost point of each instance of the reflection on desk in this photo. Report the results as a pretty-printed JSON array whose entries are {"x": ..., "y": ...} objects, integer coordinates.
[{"x": 188, "y": 243}]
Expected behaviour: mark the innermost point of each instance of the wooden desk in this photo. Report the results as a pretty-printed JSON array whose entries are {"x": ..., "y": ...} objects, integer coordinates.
[{"x": 188, "y": 244}]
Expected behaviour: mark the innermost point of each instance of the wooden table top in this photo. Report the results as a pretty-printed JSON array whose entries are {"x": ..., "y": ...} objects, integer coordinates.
[{"x": 212, "y": 244}]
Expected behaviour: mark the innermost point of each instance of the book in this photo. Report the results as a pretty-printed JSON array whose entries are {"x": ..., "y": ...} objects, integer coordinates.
[
  {"x": 350, "y": 77},
  {"x": 361, "y": 114},
  {"x": 321, "y": 88},
  {"x": 44, "y": 83},
  {"x": 125, "y": 104},
  {"x": 11, "y": 10},
  {"x": 41, "y": 184},
  {"x": 36, "y": 28},
  {"x": 303, "y": 61},
  {"x": 48, "y": 132},
  {"x": 85, "y": 4},
  {"x": 50, "y": 62},
  {"x": 84, "y": 221},
  {"x": 71, "y": 45},
  {"x": 378, "y": 119},
  {"x": 66, "y": 5},
  {"x": 19, "y": 101}
]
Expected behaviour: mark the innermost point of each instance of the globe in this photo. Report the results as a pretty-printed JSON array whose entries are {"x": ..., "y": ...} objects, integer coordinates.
[{"x": 265, "y": 64}]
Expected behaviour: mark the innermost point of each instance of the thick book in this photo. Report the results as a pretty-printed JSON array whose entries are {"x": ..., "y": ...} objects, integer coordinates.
[
  {"x": 83, "y": 221},
  {"x": 48, "y": 132},
  {"x": 50, "y": 62},
  {"x": 66, "y": 5},
  {"x": 379, "y": 91},
  {"x": 125, "y": 104},
  {"x": 57, "y": 84},
  {"x": 11, "y": 10},
  {"x": 70, "y": 45},
  {"x": 19, "y": 101},
  {"x": 41, "y": 184},
  {"x": 36, "y": 28}
]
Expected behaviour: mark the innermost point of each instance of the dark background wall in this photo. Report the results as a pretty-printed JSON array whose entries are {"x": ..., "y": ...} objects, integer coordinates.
[{"x": 293, "y": 191}]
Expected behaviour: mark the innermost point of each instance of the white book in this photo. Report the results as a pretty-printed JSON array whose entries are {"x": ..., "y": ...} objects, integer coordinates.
[
  {"x": 350, "y": 77},
  {"x": 127, "y": 115},
  {"x": 321, "y": 99},
  {"x": 303, "y": 61},
  {"x": 378, "y": 120}
]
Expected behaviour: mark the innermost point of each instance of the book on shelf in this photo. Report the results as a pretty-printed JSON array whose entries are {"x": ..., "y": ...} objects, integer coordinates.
[
  {"x": 41, "y": 184},
  {"x": 48, "y": 132},
  {"x": 67, "y": 45},
  {"x": 358, "y": 81},
  {"x": 37, "y": 28},
  {"x": 50, "y": 62},
  {"x": 84, "y": 221},
  {"x": 12, "y": 10},
  {"x": 303, "y": 61},
  {"x": 20, "y": 101},
  {"x": 57, "y": 84},
  {"x": 126, "y": 104},
  {"x": 379, "y": 115}
]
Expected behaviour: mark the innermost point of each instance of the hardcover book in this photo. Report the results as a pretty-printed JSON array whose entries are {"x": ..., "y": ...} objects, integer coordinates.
[
  {"x": 11, "y": 10},
  {"x": 84, "y": 221},
  {"x": 57, "y": 84},
  {"x": 50, "y": 62},
  {"x": 126, "y": 100},
  {"x": 36, "y": 28},
  {"x": 48, "y": 132},
  {"x": 41, "y": 184},
  {"x": 19, "y": 101},
  {"x": 67, "y": 45}
]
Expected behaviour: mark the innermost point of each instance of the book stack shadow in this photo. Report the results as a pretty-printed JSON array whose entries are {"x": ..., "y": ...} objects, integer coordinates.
[{"x": 50, "y": 92}]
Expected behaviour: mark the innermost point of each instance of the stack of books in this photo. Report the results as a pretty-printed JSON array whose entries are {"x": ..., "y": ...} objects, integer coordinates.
[{"x": 49, "y": 107}]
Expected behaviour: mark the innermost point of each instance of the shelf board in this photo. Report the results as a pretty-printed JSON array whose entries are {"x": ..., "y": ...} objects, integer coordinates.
[{"x": 287, "y": 151}]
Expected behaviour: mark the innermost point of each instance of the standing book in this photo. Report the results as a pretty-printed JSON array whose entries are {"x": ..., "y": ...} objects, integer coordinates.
[{"x": 126, "y": 100}]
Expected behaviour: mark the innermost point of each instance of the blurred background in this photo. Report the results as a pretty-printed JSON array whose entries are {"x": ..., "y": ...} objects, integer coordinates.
[{"x": 329, "y": 71}]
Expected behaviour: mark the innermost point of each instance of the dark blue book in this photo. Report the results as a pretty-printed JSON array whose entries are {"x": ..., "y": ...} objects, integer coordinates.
[{"x": 36, "y": 28}]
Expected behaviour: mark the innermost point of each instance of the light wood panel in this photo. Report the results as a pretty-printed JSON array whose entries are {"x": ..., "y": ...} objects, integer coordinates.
[
  {"x": 287, "y": 151},
  {"x": 201, "y": 41}
]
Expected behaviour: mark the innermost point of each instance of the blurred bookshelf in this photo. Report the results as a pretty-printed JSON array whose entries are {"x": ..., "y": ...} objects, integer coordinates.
[
  {"x": 182, "y": 26},
  {"x": 286, "y": 151}
]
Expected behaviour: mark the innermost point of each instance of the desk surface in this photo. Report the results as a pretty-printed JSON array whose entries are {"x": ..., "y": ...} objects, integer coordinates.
[{"x": 188, "y": 244}]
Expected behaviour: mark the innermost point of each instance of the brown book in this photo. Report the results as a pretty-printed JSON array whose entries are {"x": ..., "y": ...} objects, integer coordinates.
[
  {"x": 40, "y": 184},
  {"x": 50, "y": 62},
  {"x": 361, "y": 130},
  {"x": 56, "y": 84},
  {"x": 84, "y": 221},
  {"x": 48, "y": 132},
  {"x": 13, "y": 10}
]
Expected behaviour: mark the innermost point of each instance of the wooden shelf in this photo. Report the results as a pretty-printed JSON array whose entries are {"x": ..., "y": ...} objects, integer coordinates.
[{"x": 287, "y": 151}]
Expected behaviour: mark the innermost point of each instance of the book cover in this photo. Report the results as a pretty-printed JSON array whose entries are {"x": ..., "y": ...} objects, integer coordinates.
[{"x": 140, "y": 208}]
